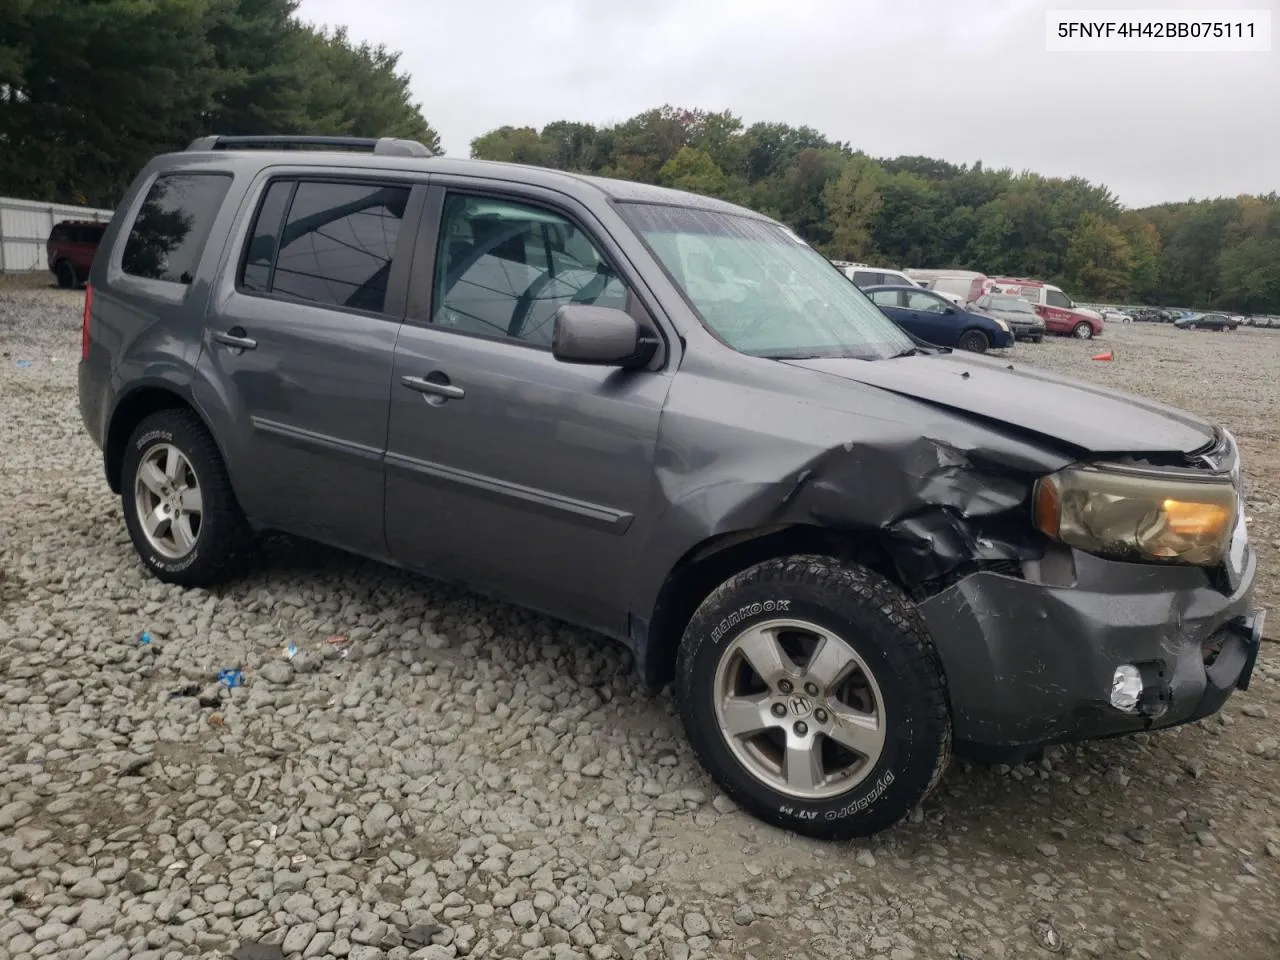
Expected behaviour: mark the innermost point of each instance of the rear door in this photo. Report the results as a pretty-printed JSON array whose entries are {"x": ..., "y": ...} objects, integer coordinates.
[
  {"x": 507, "y": 470},
  {"x": 298, "y": 347},
  {"x": 890, "y": 303}
]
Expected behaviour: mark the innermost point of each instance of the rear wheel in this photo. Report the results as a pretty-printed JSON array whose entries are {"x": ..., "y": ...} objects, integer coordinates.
[
  {"x": 813, "y": 695},
  {"x": 975, "y": 341},
  {"x": 1082, "y": 331},
  {"x": 66, "y": 274},
  {"x": 178, "y": 504}
]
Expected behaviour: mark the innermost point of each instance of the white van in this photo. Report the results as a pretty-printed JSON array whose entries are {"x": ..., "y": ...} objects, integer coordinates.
[
  {"x": 864, "y": 276},
  {"x": 958, "y": 286}
]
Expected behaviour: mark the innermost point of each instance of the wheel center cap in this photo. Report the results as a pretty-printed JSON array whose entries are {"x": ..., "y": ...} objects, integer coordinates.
[{"x": 800, "y": 706}]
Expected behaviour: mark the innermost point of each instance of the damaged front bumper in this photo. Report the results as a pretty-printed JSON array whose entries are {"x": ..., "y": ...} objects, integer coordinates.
[{"x": 1031, "y": 663}]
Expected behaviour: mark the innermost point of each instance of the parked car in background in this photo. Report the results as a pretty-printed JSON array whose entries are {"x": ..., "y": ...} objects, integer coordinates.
[
  {"x": 959, "y": 286},
  {"x": 600, "y": 400},
  {"x": 935, "y": 319},
  {"x": 1206, "y": 321},
  {"x": 1016, "y": 312},
  {"x": 1058, "y": 311},
  {"x": 1112, "y": 315},
  {"x": 70, "y": 250},
  {"x": 865, "y": 276}
]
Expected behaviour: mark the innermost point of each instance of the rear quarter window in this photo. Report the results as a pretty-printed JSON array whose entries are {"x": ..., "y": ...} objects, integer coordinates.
[{"x": 173, "y": 225}]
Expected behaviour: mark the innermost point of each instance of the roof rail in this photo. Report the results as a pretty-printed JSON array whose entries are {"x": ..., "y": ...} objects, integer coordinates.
[{"x": 380, "y": 146}]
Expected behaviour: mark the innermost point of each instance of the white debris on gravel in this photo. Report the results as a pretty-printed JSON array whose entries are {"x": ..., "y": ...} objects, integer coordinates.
[{"x": 458, "y": 778}]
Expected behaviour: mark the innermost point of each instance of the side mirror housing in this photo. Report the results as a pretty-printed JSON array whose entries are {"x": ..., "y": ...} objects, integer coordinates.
[
  {"x": 949, "y": 310},
  {"x": 600, "y": 336}
]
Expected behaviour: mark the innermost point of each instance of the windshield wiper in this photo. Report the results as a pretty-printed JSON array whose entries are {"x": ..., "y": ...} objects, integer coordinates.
[{"x": 909, "y": 352}]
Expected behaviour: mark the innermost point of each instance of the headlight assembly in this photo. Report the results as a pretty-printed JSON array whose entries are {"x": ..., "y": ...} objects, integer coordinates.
[
  {"x": 1003, "y": 326},
  {"x": 1139, "y": 516}
]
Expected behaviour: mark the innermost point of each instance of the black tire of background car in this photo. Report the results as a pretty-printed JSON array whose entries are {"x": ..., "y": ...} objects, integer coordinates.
[
  {"x": 65, "y": 273},
  {"x": 225, "y": 541},
  {"x": 1189, "y": 326},
  {"x": 975, "y": 341},
  {"x": 876, "y": 619},
  {"x": 1082, "y": 331}
]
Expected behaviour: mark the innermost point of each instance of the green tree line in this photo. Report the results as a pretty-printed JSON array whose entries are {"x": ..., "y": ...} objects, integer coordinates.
[
  {"x": 921, "y": 212},
  {"x": 90, "y": 90}
]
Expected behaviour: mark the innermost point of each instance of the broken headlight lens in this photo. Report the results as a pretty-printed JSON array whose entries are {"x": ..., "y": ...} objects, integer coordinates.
[{"x": 1141, "y": 516}]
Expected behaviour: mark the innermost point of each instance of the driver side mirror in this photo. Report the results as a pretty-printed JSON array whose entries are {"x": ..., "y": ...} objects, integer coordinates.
[
  {"x": 600, "y": 336},
  {"x": 949, "y": 309}
]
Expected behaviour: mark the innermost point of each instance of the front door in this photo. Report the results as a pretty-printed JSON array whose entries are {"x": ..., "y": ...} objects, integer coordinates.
[
  {"x": 928, "y": 313},
  {"x": 507, "y": 470},
  {"x": 298, "y": 354},
  {"x": 1059, "y": 312}
]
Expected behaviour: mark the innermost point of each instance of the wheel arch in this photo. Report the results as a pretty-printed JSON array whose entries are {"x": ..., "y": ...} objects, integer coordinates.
[
  {"x": 134, "y": 407},
  {"x": 714, "y": 560}
]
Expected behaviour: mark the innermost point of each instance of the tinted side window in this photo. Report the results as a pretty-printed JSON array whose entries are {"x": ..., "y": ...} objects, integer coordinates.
[
  {"x": 503, "y": 270},
  {"x": 885, "y": 298},
  {"x": 337, "y": 243},
  {"x": 172, "y": 226},
  {"x": 868, "y": 278},
  {"x": 1057, "y": 299},
  {"x": 260, "y": 255}
]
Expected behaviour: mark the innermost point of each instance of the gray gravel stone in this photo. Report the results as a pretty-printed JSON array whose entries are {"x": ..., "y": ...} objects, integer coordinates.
[{"x": 90, "y": 888}]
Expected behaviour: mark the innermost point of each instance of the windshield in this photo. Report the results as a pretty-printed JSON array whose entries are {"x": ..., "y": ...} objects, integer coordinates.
[
  {"x": 761, "y": 289},
  {"x": 1010, "y": 305}
]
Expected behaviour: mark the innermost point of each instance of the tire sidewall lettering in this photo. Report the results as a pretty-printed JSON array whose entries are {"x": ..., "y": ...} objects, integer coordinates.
[
  {"x": 721, "y": 630},
  {"x": 176, "y": 566},
  {"x": 151, "y": 437}
]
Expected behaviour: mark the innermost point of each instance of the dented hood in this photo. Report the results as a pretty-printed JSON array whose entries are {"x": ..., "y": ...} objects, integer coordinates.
[{"x": 1091, "y": 418}]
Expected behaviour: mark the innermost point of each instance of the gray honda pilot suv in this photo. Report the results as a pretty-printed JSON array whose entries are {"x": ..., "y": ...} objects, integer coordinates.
[{"x": 669, "y": 420}]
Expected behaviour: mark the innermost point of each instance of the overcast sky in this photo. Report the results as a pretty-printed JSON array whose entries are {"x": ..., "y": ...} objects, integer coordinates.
[{"x": 958, "y": 79}]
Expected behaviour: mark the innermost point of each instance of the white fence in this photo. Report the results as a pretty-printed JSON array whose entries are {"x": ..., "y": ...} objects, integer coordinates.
[{"x": 25, "y": 226}]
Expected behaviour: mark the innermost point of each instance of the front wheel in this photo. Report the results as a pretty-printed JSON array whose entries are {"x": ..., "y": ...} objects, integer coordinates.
[
  {"x": 65, "y": 274},
  {"x": 178, "y": 504},
  {"x": 1082, "y": 331},
  {"x": 975, "y": 341},
  {"x": 812, "y": 693}
]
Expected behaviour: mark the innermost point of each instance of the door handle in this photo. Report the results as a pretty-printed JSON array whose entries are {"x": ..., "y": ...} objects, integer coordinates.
[
  {"x": 236, "y": 339},
  {"x": 433, "y": 387}
]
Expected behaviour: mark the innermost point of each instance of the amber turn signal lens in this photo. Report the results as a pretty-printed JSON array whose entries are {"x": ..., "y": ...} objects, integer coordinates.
[
  {"x": 1195, "y": 519},
  {"x": 1048, "y": 507}
]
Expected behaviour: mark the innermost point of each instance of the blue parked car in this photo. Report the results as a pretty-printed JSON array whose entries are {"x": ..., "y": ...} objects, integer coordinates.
[{"x": 936, "y": 320}]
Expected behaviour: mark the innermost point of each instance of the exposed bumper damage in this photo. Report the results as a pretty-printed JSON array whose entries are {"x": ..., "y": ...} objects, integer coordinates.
[{"x": 1032, "y": 663}]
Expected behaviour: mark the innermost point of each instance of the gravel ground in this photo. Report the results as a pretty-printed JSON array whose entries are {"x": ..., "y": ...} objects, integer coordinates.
[{"x": 461, "y": 778}]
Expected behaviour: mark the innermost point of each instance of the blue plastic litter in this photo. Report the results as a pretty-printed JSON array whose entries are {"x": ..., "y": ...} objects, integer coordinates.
[
  {"x": 231, "y": 678},
  {"x": 144, "y": 638},
  {"x": 22, "y": 363}
]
